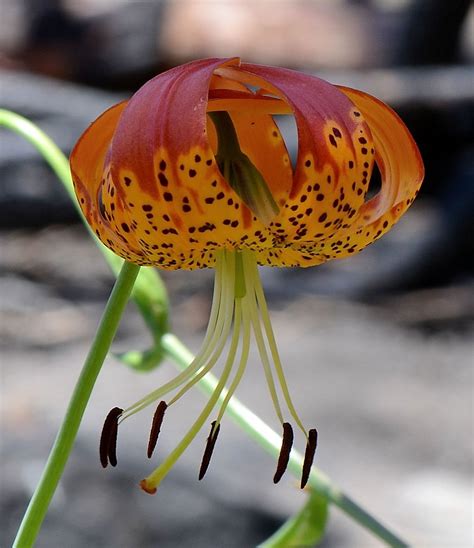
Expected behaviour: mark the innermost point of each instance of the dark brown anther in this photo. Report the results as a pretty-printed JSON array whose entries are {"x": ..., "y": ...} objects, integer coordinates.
[
  {"x": 309, "y": 456},
  {"x": 108, "y": 438},
  {"x": 211, "y": 442},
  {"x": 285, "y": 451},
  {"x": 113, "y": 444},
  {"x": 155, "y": 427}
]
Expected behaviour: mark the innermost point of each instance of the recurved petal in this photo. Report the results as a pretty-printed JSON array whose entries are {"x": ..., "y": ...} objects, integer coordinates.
[
  {"x": 259, "y": 136},
  {"x": 162, "y": 162},
  {"x": 88, "y": 157},
  {"x": 167, "y": 114},
  {"x": 402, "y": 172},
  {"x": 335, "y": 152},
  {"x": 90, "y": 176}
]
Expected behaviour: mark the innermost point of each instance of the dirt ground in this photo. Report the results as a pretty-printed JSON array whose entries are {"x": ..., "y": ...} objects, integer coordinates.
[{"x": 388, "y": 384}]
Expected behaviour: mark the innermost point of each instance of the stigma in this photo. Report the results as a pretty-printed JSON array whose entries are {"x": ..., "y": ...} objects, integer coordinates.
[{"x": 239, "y": 313}]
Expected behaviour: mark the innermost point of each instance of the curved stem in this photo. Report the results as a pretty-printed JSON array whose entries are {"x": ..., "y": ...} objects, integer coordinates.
[
  {"x": 64, "y": 442},
  {"x": 270, "y": 441}
]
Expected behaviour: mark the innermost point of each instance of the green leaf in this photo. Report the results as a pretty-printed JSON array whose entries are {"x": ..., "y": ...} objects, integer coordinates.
[
  {"x": 305, "y": 528},
  {"x": 142, "y": 360}
]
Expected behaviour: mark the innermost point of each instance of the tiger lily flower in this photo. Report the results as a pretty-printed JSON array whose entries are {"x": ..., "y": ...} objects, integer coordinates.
[{"x": 193, "y": 172}]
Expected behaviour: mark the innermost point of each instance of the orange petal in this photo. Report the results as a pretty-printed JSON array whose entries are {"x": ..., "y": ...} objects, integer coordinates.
[
  {"x": 264, "y": 105},
  {"x": 88, "y": 156},
  {"x": 397, "y": 155},
  {"x": 167, "y": 114},
  {"x": 402, "y": 171},
  {"x": 170, "y": 202},
  {"x": 335, "y": 153},
  {"x": 259, "y": 136},
  {"x": 89, "y": 173}
]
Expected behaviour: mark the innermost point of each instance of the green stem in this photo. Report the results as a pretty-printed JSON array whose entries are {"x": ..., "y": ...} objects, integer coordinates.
[
  {"x": 64, "y": 442},
  {"x": 271, "y": 442}
]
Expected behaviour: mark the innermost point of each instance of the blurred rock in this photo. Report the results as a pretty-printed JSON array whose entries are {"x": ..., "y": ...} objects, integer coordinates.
[{"x": 30, "y": 194}]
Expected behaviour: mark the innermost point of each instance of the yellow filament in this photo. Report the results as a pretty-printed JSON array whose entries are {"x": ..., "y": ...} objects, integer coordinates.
[
  {"x": 226, "y": 312},
  {"x": 242, "y": 363},
  {"x": 253, "y": 312},
  {"x": 239, "y": 306},
  {"x": 159, "y": 473},
  {"x": 262, "y": 304},
  {"x": 217, "y": 325}
]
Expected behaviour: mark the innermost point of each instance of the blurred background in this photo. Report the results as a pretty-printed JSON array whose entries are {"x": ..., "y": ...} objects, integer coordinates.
[{"x": 378, "y": 348}]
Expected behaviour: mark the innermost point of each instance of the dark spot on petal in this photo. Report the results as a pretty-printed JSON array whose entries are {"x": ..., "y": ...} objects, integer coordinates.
[{"x": 162, "y": 178}]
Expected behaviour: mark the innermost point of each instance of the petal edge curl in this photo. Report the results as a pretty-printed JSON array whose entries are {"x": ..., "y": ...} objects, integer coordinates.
[{"x": 402, "y": 171}]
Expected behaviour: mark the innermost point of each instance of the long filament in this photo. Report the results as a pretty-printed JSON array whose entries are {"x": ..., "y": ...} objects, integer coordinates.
[
  {"x": 242, "y": 363},
  {"x": 262, "y": 305},
  {"x": 253, "y": 312},
  {"x": 238, "y": 307},
  {"x": 226, "y": 314},
  {"x": 157, "y": 475},
  {"x": 217, "y": 325}
]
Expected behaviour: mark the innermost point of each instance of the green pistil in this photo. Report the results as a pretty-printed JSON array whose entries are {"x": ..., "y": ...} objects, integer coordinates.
[
  {"x": 240, "y": 289},
  {"x": 240, "y": 172}
]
